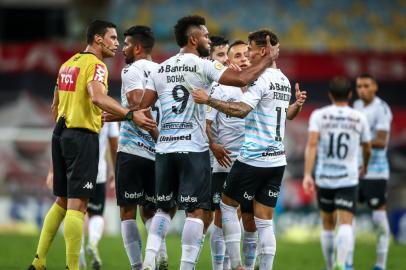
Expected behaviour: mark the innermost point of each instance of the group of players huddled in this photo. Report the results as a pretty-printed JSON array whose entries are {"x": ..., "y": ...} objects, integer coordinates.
[{"x": 227, "y": 99}]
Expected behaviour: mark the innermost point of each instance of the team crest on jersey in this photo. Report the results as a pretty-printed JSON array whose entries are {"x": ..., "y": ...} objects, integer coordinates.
[
  {"x": 99, "y": 73},
  {"x": 67, "y": 78},
  {"x": 218, "y": 65}
]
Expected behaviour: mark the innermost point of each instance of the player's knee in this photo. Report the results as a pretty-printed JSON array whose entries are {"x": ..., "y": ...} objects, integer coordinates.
[
  {"x": 128, "y": 212},
  {"x": 248, "y": 222},
  {"x": 229, "y": 201}
]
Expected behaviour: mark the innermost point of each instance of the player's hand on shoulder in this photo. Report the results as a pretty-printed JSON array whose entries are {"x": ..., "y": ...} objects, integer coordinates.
[
  {"x": 221, "y": 154},
  {"x": 272, "y": 52},
  {"x": 234, "y": 67},
  {"x": 141, "y": 118},
  {"x": 200, "y": 96},
  {"x": 300, "y": 95},
  {"x": 308, "y": 185}
]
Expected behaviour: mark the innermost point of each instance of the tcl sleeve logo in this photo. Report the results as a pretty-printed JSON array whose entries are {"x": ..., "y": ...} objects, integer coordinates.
[
  {"x": 99, "y": 73},
  {"x": 67, "y": 78}
]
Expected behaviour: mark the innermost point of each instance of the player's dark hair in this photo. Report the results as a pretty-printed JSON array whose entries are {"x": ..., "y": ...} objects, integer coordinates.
[
  {"x": 366, "y": 76},
  {"x": 260, "y": 37},
  {"x": 218, "y": 41},
  {"x": 143, "y": 35},
  {"x": 97, "y": 27},
  {"x": 339, "y": 88},
  {"x": 235, "y": 43},
  {"x": 182, "y": 27}
]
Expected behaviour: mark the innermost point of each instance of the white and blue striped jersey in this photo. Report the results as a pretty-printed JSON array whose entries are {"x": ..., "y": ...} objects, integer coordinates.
[
  {"x": 183, "y": 122},
  {"x": 109, "y": 130},
  {"x": 229, "y": 130},
  {"x": 341, "y": 131},
  {"x": 379, "y": 117},
  {"x": 269, "y": 98},
  {"x": 134, "y": 140}
]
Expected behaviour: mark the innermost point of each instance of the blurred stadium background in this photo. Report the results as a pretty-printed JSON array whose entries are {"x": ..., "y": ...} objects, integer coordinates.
[{"x": 319, "y": 40}]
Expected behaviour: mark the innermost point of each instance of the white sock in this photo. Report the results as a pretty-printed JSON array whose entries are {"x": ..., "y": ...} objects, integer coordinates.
[
  {"x": 350, "y": 257},
  {"x": 343, "y": 242},
  {"x": 96, "y": 226},
  {"x": 266, "y": 242},
  {"x": 157, "y": 232},
  {"x": 217, "y": 247},
  {"x": 148, "y": 224},
  {"x": 327, "y": 247},
  {"x": 132, "y": 242},
  {"x": 162, "y": 249},
  {"x": 249, "y": 249},
  {"x": 232, "y": 233},
  {"x": 191, "y": 242},
  {"x": 381, "y": 225}
]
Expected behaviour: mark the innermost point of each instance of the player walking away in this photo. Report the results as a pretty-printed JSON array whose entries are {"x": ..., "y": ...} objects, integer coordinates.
[
  {"x": 108, "y": 136},
  {"x": 136, "y": 151},
  {"x": 182, "y": 159},
  {"x": 79, "y": 98},
  {"x": 335, "y": 132},
  {"x": 257, "y": 172},
  {"x": 230, "y": 137},
  {"x": 373, "y": 185}
]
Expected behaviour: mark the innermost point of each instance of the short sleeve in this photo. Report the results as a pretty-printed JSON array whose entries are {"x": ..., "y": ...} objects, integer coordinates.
[
  {"x": 133, "y": 79},
  {"x": 212, "y": 70},
  {"x": 365, "y": 132},
  {"x": 113, "y": 129},
  {"x": 314, "y": 122},
  {"x": 150, "y": 84},
  {"x": 97, "y": 72},
  {"x": 384, "y": 118},
  {"x": 253, "y": 94}
]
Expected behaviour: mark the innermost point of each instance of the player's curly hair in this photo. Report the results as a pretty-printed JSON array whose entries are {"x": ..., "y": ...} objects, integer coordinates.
[
  {"x": 260, "y": 37},
  {"x": 142, "y": 35},
  {"x": 182, "y": 26},
  {"x": 339, "y": 88}
]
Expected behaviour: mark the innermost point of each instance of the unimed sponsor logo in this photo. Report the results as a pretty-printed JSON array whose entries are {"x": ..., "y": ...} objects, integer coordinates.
[
  {"x": 188, "y": 199},
  {"x": 134, "y": 195},
  {"x": 163, "y": 138}
]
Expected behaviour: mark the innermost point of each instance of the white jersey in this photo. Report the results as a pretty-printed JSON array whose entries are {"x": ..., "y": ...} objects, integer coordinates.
[
  {"x": 341, "y": 130},
  {"x": 183, "y": 121},
  {"x": 379, "y": 117},
  {"x": 134, "y": 140},
  {"x": 269, "y": 98},
  {"x": 230, "y": 130},
  {"x": 109, "y": 130}
]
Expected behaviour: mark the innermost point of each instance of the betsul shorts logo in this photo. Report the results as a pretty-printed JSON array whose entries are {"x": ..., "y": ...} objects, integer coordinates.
[
  {"x": 273, "y": 194},
  {"x": 134, "y": 195},
  {"x": 248, "y": 197},
  {"x": 188, "y": 199},
  {"x": 164, "y": 198}
]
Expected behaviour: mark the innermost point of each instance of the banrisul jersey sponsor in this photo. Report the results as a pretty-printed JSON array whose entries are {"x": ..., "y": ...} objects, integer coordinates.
[
  {"x": 268, "y": 97},
  {"x": 379, "y": 117},
  {"x": 342, "y": 130},
  {"x": 230, "y": 130},
  {"x": 183, "y": 121},
  {"x": 134, "y": 140}
]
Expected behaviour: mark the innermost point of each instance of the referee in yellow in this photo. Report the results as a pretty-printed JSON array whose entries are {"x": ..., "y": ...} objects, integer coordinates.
[{"x": 80, "y": 97}]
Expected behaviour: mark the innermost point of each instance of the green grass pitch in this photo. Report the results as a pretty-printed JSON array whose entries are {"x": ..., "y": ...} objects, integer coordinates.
[{"x": 18, "y": 251}]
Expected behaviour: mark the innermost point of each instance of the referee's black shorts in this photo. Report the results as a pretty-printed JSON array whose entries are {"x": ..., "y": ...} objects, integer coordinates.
[{"x": 75, "y": 158}]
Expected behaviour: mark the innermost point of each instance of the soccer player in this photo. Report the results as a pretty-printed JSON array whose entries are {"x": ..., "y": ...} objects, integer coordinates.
[
  {"x": 335, "y": 134},
  {"x": 136, "y": 151},
  {"x": 79, "y": 98},
  {"x": 182, "y": 164},
  {"x": 219, "y": 49},
  {"x": 373, "y": 185},
  {"x": 255, "y": 178},
  {"x": 230, "y": 137},
  {"x": 95, "y": 208}
]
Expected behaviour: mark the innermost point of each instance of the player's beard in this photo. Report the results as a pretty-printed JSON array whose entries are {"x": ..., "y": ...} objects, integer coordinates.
[
  {"x": 203, "y": 52},
  {"x": 129, "y": 59}
]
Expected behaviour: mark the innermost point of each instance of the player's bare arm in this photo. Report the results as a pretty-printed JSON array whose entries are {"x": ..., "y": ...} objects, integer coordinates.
[
  {"x": 244, "y": 77},
  {"x": 381, "y": 140},
  {"x": 296, "y": 107},
  {"x": 310, "y": 158},
  {"x": 148, "y": 100},
  {"x": 219, "y": 152},
  {"x": 134, "y": 98},
  {"x": 108, "y": 104},
  {"x": 366, "y": 154},
  {"x": 236, "y": 109}
]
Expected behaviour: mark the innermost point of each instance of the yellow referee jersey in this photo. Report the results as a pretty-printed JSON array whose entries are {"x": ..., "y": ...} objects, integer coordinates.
[{"x": 74, "y": 100}]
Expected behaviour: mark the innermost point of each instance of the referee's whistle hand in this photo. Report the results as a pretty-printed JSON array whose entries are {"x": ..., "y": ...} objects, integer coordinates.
[{"x": 141, "y": 119}]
